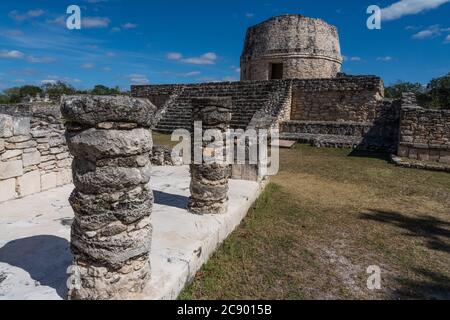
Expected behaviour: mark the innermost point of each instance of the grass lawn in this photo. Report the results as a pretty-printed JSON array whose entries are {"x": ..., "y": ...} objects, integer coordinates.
[{"x": 323, "y": 220}]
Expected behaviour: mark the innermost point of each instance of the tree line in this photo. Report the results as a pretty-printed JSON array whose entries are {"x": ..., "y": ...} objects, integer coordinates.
[
  {"x": 435, "y": 95},
  {"x": 57, "y": 89}
]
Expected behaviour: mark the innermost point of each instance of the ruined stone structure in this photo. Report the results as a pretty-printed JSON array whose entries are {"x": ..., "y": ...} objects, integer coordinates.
[
  {"x": 291, "y": 47},
  {"x": 346, "y": 111},
  {"x": 248, "y": 98},
  {"x": 209, "y": 181},
  {"x": 33, "y": 152},
  {"x": 110, "y": 140},
  {"x": 424, "y": 136}
]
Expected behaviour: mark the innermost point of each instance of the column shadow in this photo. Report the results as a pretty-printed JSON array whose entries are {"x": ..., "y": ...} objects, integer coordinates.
[
  {"x": 170, "y": 200},
  {"x": 46, "y": 258}
]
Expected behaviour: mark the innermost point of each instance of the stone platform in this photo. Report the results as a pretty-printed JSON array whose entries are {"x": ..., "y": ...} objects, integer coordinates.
[{"x": 35, "y": 233}]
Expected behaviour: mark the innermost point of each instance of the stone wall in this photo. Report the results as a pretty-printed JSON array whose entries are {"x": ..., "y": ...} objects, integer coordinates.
[
  {"x": 33, "y": 153},
  {"x": 425, "y": 134},
  {"x": 353, "y": 99},
  {"x": 307, "y": 48}
]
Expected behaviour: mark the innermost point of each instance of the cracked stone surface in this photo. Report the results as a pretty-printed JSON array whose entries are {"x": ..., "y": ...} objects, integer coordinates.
[
  {"x": 35, "y": 234},
  {"x": 209, "y": 184},
  {"x": 111, "y": 236}
]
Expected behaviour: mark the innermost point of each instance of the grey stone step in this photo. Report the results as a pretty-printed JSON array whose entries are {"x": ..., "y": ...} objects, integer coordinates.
[{"x": 324, "y": 140}]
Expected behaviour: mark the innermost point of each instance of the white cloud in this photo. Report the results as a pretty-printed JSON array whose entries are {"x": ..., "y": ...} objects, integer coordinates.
[
  {"x": 205, "y": 59},
  {"x": 86, "y": 22},
  {"x": 106, "y": 69},
  {"x": 385, "y": 59},
  {"x": 250, "y": 15},
  {"x": 353, "y": 58},
  {"x": 48, "y": 81},
  {"x": 185, "y": 74},
  {"x": 174, "y": 56},
  {"x": 17, "y": 16},
  {"x": 14, "y": 33},
  {"x": 129, "y": 25},
  {"x": 447, "y": 40},
  {"x": 192, "y": 73},
  {"x": 409, "y": 7},
  {"x": 35, "y": 59},
  {"x": 11, "y": 54},
  {"x": 95, "y": 22},
  {"x": 138, "y": 78},
  {"x": 15, "y": 54},
  {"x": 88, "y": 65},
  {"x": 430, "y": 32}
]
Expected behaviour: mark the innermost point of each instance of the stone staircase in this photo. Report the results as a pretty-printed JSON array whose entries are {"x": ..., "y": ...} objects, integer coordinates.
[{"x": 248, "y": 98}]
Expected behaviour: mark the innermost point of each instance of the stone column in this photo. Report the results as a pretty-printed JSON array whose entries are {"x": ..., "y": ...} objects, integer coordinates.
[
  {"x": 110, "y": 140},
  {"x": 209, "y": 181}
]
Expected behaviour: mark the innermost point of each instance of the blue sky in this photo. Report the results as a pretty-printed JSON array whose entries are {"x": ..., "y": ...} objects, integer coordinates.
[{"x": 174, "y": 41}]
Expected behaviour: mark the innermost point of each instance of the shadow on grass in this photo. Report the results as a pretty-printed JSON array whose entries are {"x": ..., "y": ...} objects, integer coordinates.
[
  {"x": 46, "y": 258},
  {"x": 436, "y": 232},
  {"x": 358, "y": 153},
  {"x": 432, "y": 286},
  {"x": 426, "y": 284}
]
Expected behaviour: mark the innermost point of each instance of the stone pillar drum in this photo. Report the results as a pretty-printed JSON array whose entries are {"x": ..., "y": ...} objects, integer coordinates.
[
  {"x": 110, "y": 140},
  {"x": 209, "y": 181}
]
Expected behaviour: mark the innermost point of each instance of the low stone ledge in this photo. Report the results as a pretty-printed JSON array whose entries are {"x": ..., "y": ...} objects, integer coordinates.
[{"x": 417, "y": 164}]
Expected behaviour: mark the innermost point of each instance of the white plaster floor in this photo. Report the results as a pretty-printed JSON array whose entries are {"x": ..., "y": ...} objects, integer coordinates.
[{"x": 35, "y": 234}]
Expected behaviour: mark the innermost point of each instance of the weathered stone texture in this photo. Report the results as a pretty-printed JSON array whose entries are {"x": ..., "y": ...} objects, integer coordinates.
[
  {"x": 112, "y": 201},
  {"x": 29, "y": 183},
  {"x": 424, "y": 134},
  {"x": 345, "y": 99},
  {"x": 7, "y": 189},
  {"x": 209, "y": 181},
  {"x": 33, "y": 134},
  {"x": 162, "y": 156},
  {"x": 91, "y": 111},
  {"x": 308, "y": 48}
]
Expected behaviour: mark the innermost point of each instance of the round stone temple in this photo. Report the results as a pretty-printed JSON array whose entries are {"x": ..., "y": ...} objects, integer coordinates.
[{"x": 291, "y": 47}]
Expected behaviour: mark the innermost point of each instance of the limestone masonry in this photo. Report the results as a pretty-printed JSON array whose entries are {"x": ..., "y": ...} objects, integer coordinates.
[
  {"x": 291, "y": 47},
  {"x": 209, "y": 181},
  {"x": 33, "y": 152},
  {"x": 110, "y": 140},
  {"x": 424, "y": 134}
]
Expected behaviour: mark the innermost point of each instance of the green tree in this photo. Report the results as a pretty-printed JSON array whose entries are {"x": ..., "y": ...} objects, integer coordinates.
[
  {"x": 13, "y": 95},
  {"x": 439, "y": 92},
  {"x": 29, "y": 91},
  {"x": 395, "y": 91},
  {"x": 58, "y": 89},
  {"x": 103, "y": 90}
]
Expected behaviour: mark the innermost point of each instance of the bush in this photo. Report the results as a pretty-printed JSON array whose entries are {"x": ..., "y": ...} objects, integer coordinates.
[
  {"x": 436, "y": 95},
  {"x": 103, "y": 90}
]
